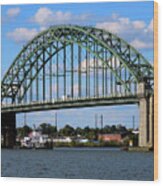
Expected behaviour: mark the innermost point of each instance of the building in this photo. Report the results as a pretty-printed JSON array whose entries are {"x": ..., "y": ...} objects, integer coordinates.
[
  {"x": 35, "y": 139},
  {"x": 110, "y": 137},
  {"x": 82, "y": 140},
  {"x": 62, "y": 140}
]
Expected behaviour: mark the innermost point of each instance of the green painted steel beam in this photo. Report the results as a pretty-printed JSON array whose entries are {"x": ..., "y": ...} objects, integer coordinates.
[{"x": 57, "y": 33}]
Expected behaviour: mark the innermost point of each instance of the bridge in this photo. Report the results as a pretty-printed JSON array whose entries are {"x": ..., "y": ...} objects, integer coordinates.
[{"x": 70, "y": 66}]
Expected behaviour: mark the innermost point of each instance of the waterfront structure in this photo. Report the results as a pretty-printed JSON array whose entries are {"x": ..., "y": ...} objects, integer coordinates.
[
  {"x": 110, "y": 138},
  {"x": 82, "y": 140},
  {"x": 86, "y": 67},
  {"x": 62, "y": 140},
  {"x": 35, "y": 139}
]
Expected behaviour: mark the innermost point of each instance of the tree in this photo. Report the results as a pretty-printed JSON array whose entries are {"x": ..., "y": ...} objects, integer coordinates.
[
  {"x": 48, "y": 129},
  {"x": 121, "y": 128},
  {"x": 79, "y": 131},
  {"x": 90, "y": 133},
  {"x": 113, "y": 129},
  {"x": 107, "y": 129},
  {"x": 67, "y": 131},
  {"x": 24, "y": 131},
  {"x": 86, "y": 129}
]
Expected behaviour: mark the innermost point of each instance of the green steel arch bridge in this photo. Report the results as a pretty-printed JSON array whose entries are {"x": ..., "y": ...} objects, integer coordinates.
[{"x": 70, "y": 66}]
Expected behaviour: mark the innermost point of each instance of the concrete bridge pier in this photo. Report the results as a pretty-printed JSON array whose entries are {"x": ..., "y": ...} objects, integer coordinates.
[
  {"x": 151, "y": 121},
  {"x": 8, "y": 129},
  {"x": 146, "y": 127}
]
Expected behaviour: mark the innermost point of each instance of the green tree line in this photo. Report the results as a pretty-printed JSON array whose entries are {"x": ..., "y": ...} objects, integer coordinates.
[{"x": 68, "y": 130}]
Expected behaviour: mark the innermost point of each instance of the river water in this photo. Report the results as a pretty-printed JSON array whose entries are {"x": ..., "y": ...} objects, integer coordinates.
[{"x": 78, "y": 163}]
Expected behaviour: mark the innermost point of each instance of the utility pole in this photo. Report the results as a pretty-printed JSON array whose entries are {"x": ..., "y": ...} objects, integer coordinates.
[
  {"x": 101, "y": 121},
  {"x": 56, "y": 120},
  {"x": 96, "y": 120},
  {"x": 133, "y": 122},
  {"x": 56, "y": 124}
]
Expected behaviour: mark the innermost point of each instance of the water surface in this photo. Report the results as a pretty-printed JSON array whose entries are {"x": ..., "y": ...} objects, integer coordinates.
[{"x": 78, "y": 163}]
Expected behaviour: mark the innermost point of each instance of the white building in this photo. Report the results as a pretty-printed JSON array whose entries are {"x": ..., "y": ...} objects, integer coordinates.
[
  {"x": 62, "y": 140},
  {"x": 35, "y": 139}
]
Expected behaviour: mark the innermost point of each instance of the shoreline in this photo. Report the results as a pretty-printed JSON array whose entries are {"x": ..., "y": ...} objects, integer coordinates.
[{"x": 127, "y": 149}]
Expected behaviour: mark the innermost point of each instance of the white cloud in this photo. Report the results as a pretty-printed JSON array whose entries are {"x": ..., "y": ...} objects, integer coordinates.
[
  {"x": 150, "y": 26},
  {"x": 140, "y": 44},
  {"x": 100, "y": 63},
  {"x": 43, "y": 28},
  {"x": 121, "y": 25},
  {"x": 42, "y": 15},
  {"x": 91, "y": 65},
  {"x": 45, "y": 17},
  {"x": 139, "y": 24},
  {"x": 22, "y": 34},
  {"x": 13, "y": 12},
  {"x": 76, "y": 89},
  {"x": 110, "y": 26},
  {"x": 136, "y": 32},
  {"x": 124, "y": 20}
]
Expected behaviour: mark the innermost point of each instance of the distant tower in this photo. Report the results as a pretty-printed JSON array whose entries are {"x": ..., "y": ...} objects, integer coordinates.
[
  {"x": 133, "y": 122},
  {"x": 96, "y": 120},
  {"x": 101, "y": 121},
  {"x": 56, "y": 120}
]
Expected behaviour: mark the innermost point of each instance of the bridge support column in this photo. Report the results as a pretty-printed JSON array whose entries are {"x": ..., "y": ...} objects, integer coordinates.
[
  {"x": 146, "y": 127},
  {"x": 8, "y": 130},
  {"x": 151, "y": 121},
  {"x": 144, "y": 123}
]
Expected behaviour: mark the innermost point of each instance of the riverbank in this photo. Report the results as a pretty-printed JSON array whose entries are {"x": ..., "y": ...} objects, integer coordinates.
[
  {"x": 103, "y": 145},
  {"x": 74, "y": 144},
  {"x": 88, "y": 144},
  {"x": 140, "y": 149}
]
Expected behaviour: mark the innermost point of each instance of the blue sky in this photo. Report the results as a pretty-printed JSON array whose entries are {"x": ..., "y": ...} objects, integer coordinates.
[{"x": 132, "y": 21}]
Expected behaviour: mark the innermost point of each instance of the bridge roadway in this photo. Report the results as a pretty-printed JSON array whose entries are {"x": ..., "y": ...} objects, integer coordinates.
[{"x": 70, "y": 103}]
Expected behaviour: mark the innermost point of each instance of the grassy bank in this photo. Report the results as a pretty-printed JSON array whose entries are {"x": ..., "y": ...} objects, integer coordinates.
[{"x": 88, "y": 144}]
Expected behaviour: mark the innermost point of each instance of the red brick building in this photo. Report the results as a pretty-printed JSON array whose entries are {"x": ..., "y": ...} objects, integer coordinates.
[{"x": 110, "y": 137}]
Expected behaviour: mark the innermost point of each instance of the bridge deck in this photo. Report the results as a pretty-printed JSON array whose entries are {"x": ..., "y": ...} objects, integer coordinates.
[{"x": 69, "y": 103}]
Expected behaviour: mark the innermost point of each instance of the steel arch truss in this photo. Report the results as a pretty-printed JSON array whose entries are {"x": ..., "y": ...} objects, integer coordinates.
[{"x": 119, "y": 63}]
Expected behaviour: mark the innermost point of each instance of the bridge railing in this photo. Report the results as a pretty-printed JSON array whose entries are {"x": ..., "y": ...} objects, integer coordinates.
[{"x": 70, "y": 99}]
